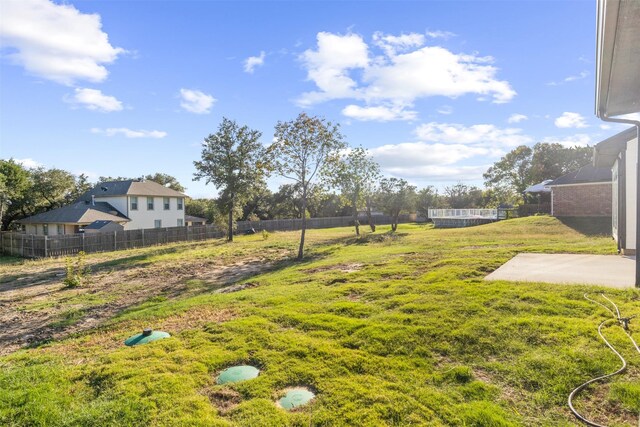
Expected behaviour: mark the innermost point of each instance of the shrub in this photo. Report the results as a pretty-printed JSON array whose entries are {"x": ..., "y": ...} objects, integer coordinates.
[
  {"x": 265, "y": 234},
  {"x": 76, "y": 272}
]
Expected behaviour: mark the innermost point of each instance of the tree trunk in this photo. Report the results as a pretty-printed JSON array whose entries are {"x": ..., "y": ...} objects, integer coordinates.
[
  {"x": 369, "y": 216},
  {"x": 230, "y": 231},
  {"x": 394, "y": 222},
  {"x": 356, "y": 223},
  {"x": 304, "y": 224}
]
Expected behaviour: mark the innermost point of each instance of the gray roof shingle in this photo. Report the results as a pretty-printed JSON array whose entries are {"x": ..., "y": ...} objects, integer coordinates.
[
  {"x": 586, "y": 174},
  {"x": 130, "y": 188},
  {"x": 77, "y": 213}
]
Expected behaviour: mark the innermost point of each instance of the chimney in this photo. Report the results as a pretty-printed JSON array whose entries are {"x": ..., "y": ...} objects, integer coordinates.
[{"x": 93, "y": 200}]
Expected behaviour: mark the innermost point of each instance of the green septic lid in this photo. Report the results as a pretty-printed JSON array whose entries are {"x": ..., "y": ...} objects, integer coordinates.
[
  {"x": 146, "y": 336},
  {"x": 296, "y": 397},
  {"x": 236, "y": 374}
]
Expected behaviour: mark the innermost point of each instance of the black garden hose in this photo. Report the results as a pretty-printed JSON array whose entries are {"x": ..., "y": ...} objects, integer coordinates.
[{"x": 622, "y": 322}]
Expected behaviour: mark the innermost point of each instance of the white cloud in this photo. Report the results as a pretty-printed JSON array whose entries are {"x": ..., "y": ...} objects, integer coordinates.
[
  {"x": 439, "y": 173},
  {"x": 437, "y": 34},
  {"x": 580, "y": 140},
  {"x": 28, "y": 163},
  {"x": 445, "y": 109},
  {"x": 328, "y": 66},
  {"x": 413, "y": 154},
  {"x": 378, "y": 113},
  {"x": 605, "y": 127},
  {"x": 391, "y": 44},
  {"x": 129, "y": 133},
  {"x": 571, "y": 120},
  {"x": 56, "y": 41},
  {"x": 441, "y": 148},
  {"x": 517, "y": 118},
  {"x": 486, "y": 135},
  {"x": 196, "y": 102},
  {"x": 579, "y": 76},
  {"x": 342, "y": 67},
  {"x": 252, "y": 62},
  {"x": 94, "y": 99}
]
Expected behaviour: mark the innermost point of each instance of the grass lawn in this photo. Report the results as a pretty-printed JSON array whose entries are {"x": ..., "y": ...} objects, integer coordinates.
[{"x": 388, "y": 329}]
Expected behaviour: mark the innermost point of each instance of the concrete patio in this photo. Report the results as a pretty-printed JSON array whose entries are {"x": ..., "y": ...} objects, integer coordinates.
[{"x": 614, "y": 271}]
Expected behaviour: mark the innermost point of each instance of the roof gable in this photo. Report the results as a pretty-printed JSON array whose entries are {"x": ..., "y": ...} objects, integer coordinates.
[
  {"x": 130, "y": 188},
  {"x": 77, "y": 213}
]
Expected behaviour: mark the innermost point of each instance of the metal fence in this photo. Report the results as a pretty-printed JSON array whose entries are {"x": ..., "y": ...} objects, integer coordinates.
[
  {"x": 35, "y": 246},
  {"x": 464, "y": 213}
]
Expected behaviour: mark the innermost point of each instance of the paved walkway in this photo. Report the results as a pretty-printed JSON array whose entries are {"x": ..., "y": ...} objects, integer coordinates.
[{"x": 607, "y": 270}]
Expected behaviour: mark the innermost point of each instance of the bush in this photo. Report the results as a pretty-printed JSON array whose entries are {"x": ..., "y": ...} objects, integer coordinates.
[
  {"x": 76, "y": 271},
  {"x": 265, "y": 234}
]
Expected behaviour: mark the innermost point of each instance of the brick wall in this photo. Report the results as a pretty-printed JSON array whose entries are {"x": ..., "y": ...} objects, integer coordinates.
[{"x": 582, "y": 200}]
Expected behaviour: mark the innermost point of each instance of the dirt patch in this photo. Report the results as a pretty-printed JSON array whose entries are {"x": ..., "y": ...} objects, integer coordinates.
[
  {"x": 195, "y": 318},
  {"x": 343, "y": 268},
  {"x": 36, "y": 307},
  {"x": 224, "y": 399},
  {"x": 238, "y": 287}
]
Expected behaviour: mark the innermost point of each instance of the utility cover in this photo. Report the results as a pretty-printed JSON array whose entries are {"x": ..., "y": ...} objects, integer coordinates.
[
  {"x": 236, "y": 374},
  {"x": 296, "y": 397},
  {"x": 145, "y": 337}
]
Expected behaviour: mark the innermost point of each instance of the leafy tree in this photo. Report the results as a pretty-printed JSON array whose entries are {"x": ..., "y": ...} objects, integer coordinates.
[
  {"x": 356, "y": 176},
  {"x": 52, "y": 188},
  {"x": 205, "y": 208},
  {"x": 17, "y": 183},
  {"x": 460, "y": 196},
  {"x": 232, "y": 162},
  {"x": 82, "y": 185},
  {"x": 512, "y": 172},
  {"x": 259, "y": 205},
  {"x": 303, "y": 148},
  {"x": 427, "y": 198},
  {"x": 114, "y": 178},
  {"x": 166, "y": 180},
  {"x": 525, "y": 166},
  {"x": 396, "y": 196}
]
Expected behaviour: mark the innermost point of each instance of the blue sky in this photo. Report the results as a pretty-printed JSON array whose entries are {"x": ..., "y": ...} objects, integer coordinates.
[{"x": 437, "y": 91}]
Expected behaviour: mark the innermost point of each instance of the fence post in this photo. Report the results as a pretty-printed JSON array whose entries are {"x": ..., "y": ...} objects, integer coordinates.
[
  {"x": 115, "y": 240},
  {"x": 45, "y": 246},
  {"x": 83, "y": 243},
  {"x": 143, "y": 237}
]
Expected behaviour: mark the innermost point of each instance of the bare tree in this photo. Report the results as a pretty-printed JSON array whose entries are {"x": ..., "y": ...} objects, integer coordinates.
[{"x": 302, "y": 148}]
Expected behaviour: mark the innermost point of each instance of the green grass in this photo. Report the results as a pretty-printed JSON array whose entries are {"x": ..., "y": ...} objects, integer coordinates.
[{"x": 386, "y": 329}]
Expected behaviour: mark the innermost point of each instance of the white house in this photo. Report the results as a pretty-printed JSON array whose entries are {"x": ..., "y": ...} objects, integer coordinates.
[
  {"x": 132, "y": 204},
  {"x": 618, "y": 100}
]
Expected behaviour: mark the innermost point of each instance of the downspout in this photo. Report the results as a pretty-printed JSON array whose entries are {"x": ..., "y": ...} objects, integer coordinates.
[{"x": 635, "y": 123}]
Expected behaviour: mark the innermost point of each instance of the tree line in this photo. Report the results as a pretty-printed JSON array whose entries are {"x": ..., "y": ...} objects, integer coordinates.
[{"x": 326, "y": 178}]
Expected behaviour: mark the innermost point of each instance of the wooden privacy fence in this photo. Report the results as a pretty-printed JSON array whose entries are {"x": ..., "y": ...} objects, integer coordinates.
[{"x": 34, "y": 246}]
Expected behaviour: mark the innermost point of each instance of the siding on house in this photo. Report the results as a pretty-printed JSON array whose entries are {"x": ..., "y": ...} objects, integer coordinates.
[
  {"x": 585, "y": 200},
  {"x": 145, "y": 218}
]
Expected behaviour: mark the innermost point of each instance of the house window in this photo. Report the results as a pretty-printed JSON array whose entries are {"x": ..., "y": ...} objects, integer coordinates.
[
  {"x": 45, "y": 229},
  {"x": 157, "y": 223},
  {"x": 180, "y": 222},
  {"x": 134, "y": 203},
  {"x": 180, "y": 200},
  {"x": 60, "y": 229},
  {"x": 165, "y": 201},
  {"x": 149, "y": 203}
]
